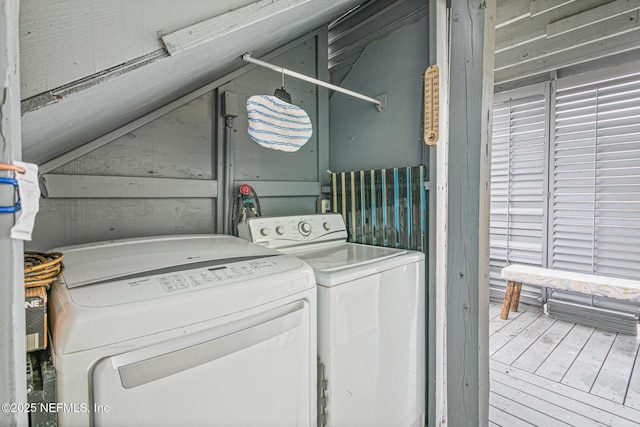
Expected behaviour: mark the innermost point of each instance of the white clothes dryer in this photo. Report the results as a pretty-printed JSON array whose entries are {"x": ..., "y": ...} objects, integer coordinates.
[
  {"x": 194, "y": 330},
  {"x": 371, "y": 320}
]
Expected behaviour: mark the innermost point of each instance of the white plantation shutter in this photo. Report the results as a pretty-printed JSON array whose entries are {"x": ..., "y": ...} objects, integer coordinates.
[
  {"x": 581, "y": 143},
  {"x": 596, "y": 176},
  {"x": 518, "y": 196}
]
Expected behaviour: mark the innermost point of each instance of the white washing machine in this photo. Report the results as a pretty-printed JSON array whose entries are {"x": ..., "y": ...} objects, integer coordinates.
[
  {"x": 371, "y": 320},
  {"x": 195, "y": 330}
]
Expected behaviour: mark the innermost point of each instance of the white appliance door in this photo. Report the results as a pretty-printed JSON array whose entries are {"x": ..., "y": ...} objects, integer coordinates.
[
  {"x": 371, "y": 342},
  {"x": 254, "y": 372}
]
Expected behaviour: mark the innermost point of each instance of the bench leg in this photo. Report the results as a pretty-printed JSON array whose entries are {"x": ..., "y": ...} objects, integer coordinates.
[
  {"x": 506, "y": 304},
  {"x": 515, "y": 299}
]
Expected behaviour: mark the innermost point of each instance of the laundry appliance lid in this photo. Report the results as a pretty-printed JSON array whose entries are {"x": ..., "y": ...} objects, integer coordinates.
[
  {"x": 112, "y": 260},
  {"x": 340, "y": 263},
  {"x": 113, "y": 292}
]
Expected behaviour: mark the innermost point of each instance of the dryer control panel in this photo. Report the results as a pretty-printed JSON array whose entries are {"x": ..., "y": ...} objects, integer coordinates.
[
  {"x": 212, "y": 276},
  {"x": 290, "y": 231},
  {"x": 177, "y": 280}
]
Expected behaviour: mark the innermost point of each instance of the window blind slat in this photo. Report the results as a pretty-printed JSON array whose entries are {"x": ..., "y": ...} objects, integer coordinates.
[
  {"x": 517, "y": 185},
  {"x": 596, "y": 177}
]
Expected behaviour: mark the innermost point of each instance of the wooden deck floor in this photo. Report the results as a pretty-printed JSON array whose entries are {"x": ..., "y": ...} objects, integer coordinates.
[{"x": 546, "y": 372}]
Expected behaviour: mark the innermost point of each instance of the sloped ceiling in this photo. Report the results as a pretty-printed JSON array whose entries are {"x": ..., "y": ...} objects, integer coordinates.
[
  {"x": 91, "y": 66},
  {"x": 352, "y": 33}
]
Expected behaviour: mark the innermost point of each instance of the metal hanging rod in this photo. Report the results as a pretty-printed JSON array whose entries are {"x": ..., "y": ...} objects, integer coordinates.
[{"x": 247, "y": 57}]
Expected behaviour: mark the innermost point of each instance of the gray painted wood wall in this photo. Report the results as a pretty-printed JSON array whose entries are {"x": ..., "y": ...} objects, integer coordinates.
[
  {"x": 177, "y": 145},
  {"x": 360, "y": 136},
  {"x": 183, "y": 145},
  {"x": 535, "y": 38},
  {"x": 270, "y": 169}
]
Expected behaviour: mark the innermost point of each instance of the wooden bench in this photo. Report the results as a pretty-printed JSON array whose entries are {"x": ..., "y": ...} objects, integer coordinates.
[{"x": 516, "y": 275}]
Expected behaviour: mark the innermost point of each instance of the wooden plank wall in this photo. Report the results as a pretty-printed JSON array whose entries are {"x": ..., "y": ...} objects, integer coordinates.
[
  {"x": 163, "y": 177},
  {"x": 252, "y": 163},
  {"x": 537, "y": 37},
  {"x": 120, "y": 190},
  {"x": 361, "y": 136}
]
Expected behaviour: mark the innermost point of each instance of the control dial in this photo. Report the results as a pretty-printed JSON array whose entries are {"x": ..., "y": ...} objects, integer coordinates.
[
  {"x": 304, "y": 228},
  {"x": 264, "y": 232},
  {"x": 280, "y": 230},
  {"x": 326, "y": 226}
]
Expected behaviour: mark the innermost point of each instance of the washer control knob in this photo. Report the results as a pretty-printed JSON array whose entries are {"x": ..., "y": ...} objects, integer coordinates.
[
  {"x": 280, "y": 230},
  {"x": 326, "y": 226},
  {"x": 305, "y": 228},
  {"x": 264, "y": 232}
]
